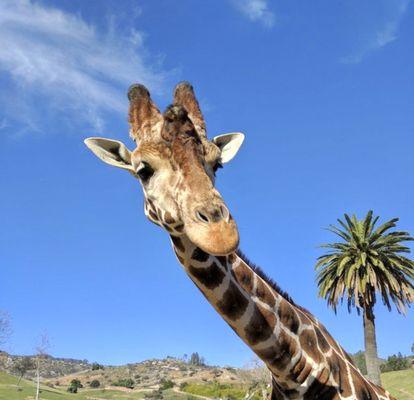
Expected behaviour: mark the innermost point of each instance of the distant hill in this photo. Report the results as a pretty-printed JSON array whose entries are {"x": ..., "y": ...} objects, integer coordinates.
[
  {"x": 51, "y": 367},
  {"x": 151, "y": 373},
  {"x": 146, "y": 374}
]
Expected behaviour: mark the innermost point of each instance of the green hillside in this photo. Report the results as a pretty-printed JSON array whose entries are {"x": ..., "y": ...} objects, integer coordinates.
[
  {"x": 8, "y": 391},
  {"x": 398, "y": 383}
]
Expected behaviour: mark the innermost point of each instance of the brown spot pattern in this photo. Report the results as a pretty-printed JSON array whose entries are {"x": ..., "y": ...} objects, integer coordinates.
[
  {"x": 340, "y": 374},
  {"x": 288, "y": 317},
  {"x": 233, "y": 304},
  {"x": 178, "y": 243},
  {"x": 244, "y": 277},
  {"x": 179, "y": 228},
  {"x": 279, "y": 355},
  {"x": 264, "y": 293},
  {"x": 258, "y": 328},
  {"x": 200, "y": 255},
  {"x": 168, "y": 219},
  {"x": 362, "y": 390},
  {"x": 276, "y": 393},
  {"x": 321, "y": 391},
  {"x": 308, "y": 342},
  {"x": 210, "y": 277},
  {"x": 291, "y": 394}
]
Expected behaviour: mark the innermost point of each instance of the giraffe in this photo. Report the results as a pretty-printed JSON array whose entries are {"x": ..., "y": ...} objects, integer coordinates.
[{"x": 176, "y": 165}]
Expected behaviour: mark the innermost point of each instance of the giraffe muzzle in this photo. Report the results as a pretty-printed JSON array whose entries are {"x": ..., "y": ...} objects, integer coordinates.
[{"x": 213, "y": 230}]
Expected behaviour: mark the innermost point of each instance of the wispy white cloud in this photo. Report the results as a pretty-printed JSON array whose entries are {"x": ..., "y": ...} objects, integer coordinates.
[
  {"x": 256, "y": 11},
  {"x": 382, "y": 35},
  {"x": 75, "y": 66}
]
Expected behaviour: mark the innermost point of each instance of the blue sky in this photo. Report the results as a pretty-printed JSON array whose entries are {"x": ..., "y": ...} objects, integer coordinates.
[{"x": 324, "y": 93}]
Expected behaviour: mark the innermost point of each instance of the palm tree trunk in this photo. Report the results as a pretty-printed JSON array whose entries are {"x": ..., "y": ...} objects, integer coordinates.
[{"x": 371, "y": 353}]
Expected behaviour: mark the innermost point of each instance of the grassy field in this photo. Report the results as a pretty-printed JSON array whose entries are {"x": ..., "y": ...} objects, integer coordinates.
[
  {"x": 8, "y": 391},
  {"x": 399, "y": 383},
  {"x": 214, "y": 390}
]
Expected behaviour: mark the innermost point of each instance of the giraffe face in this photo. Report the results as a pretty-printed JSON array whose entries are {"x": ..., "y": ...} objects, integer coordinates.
[{"x": 176, "y": 166}]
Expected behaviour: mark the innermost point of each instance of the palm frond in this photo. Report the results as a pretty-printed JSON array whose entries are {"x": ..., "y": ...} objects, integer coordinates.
[{"x": 369, "y": 260}]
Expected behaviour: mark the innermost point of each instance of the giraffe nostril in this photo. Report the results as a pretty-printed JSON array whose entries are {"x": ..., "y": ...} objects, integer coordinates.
[
  {"x": 202, "y": 217},
  {"x": 212, "y": 214}
]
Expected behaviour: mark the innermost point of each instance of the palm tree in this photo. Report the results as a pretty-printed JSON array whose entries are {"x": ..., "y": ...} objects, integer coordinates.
[{"x": 368, "y": 261}]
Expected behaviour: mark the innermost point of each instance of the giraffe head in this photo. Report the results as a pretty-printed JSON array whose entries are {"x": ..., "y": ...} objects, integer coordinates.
[{"x": 176, "y": 165}]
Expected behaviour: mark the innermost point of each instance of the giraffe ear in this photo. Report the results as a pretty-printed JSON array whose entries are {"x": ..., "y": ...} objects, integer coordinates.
[
  {"x": 111, "y": 152},
  {"x": 229, "y": 144}
]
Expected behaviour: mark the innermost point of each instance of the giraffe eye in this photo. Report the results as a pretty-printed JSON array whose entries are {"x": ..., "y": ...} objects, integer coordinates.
[{"x": 145, "y": 172}]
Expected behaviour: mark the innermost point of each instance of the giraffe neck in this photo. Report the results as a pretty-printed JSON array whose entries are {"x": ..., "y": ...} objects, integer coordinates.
[
  {"x": 302, "y": 357},
  {"x": 258, "y": 314}
]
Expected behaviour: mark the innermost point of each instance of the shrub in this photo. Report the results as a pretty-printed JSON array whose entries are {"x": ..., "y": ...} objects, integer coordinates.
[
  {"x": 96, "y": 366},
  {"x": 166, "y": 384},
  {"x": 72, "y": 389},
  {"x": 95, "y": 384},
  {"x": 127, "y": 382},
  {"x": 76, "y": 383},
  {"x": 183, "y": 385}
]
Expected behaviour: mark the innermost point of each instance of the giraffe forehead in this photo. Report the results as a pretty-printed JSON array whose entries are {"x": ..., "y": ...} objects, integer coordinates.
[
  {"x": 182, "y": 151},
  {"x": 147, "y": 149}
]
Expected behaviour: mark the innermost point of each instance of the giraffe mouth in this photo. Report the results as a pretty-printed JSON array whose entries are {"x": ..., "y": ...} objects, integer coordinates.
[{"x": 216, "y": 238}]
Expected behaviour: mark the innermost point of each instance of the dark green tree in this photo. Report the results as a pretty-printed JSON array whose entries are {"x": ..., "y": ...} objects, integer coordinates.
[
  {"x": 95, "y": 384},
  {"x": 96, "y": 366},
  {"x": 359, "y": 360},
  {"x": 368, "y": 261},
  {"x": 396, "y": 362},
  {"x": 196, "y": 359},
  {"x": 75, "y": 384}
]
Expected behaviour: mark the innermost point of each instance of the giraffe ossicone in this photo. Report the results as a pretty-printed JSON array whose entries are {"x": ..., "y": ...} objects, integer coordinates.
[{"x": 176, "y": 165}]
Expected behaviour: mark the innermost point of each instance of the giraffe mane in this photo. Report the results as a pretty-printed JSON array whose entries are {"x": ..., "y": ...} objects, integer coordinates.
[{"x": 259, "y": 271}]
